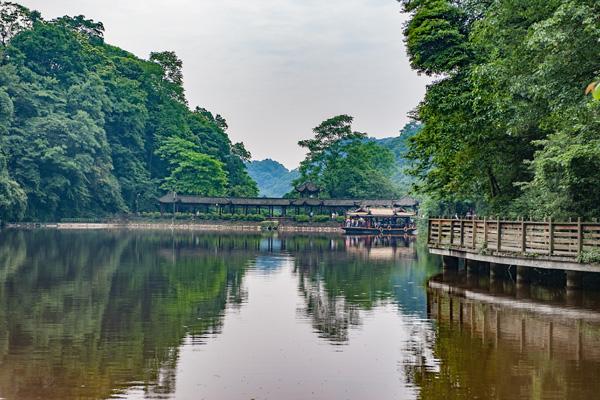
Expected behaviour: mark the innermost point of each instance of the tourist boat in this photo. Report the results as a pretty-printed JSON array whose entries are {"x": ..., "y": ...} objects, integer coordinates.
[{"x": 380, "y": 221}]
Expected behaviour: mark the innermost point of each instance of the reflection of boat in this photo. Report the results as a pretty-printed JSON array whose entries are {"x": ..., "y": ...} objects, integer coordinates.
[
  {"x": 381, "y": 247},
  {"x": 380, "y": 221}
]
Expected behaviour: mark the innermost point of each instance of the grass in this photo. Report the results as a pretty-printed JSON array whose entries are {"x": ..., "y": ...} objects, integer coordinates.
[{"x": 589, "y": 257}]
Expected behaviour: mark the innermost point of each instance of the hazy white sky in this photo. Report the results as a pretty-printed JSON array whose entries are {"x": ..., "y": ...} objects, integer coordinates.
[{"x": 273, "y": 68}]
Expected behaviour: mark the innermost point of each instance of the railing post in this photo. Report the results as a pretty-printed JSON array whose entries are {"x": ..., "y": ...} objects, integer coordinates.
[
  {"x": 429, "y": 230},
  {"x": 439, "y": 241},
  {"x": 523, "y": 236},
  {"x": 474, "y": 233},
  {"x": 551, "y": 236},
  {"x": 498, "y": 235},
  {"x": 579, "y": 236},
  {"x": 451, "y": 232},
  {"x": 485, "y": 232},
  {"x": 462, "y": 233}
]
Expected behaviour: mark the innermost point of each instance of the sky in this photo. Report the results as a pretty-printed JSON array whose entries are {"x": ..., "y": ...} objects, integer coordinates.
[{"x": 273, "y": 68}]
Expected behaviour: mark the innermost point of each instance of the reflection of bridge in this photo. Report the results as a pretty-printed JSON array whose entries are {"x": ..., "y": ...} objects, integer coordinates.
[
  {"x": 371, "y": 247},
  {"x": 561, "y": 329},
  {"x": 495, "y": 243},
  {"x": 234, "y": 205}
]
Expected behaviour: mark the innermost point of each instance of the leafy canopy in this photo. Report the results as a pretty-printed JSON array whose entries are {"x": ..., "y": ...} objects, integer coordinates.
[
  {"x": 88, "y": 129},
  {"x": 345, "y": 165},
  {"x": 506, "y": 124}
]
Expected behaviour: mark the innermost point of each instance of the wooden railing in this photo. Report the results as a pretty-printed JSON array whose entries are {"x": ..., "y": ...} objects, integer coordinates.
[{"x": 567, "y": 239}]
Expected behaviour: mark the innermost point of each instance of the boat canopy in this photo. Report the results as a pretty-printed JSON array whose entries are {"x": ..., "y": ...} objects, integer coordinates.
[{"x": 368, "y": 212}]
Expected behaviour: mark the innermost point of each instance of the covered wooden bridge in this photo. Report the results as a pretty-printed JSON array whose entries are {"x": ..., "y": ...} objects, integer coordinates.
[{"x": 274, "y": 206}]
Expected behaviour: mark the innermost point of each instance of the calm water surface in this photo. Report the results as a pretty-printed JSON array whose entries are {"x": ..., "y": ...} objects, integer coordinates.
[{"x": 135, "y": 315}]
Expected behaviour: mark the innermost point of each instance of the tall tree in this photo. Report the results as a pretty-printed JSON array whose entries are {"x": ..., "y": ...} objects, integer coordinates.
[{"x": 344, "y": 165}]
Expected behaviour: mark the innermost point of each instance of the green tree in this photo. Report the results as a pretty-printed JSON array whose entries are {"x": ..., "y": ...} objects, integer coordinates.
[
  {"x": 507, "y": 127},
  {"x": 193, "y": 172},
  {"x": 14, "y": 18},
  {"x": 172, "y": 72},
  {"x": 345, "y": 165}
]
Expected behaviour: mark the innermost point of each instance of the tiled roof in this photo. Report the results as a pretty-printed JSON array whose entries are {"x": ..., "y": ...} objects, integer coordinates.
[{"x": 278, "y": 202}]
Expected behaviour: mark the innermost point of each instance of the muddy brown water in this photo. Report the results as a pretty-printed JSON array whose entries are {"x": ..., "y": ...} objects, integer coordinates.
[{"x": 195, "y": 315}]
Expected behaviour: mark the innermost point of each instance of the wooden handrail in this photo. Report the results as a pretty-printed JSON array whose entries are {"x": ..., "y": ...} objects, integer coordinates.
[{"x": 551, "y": 238}]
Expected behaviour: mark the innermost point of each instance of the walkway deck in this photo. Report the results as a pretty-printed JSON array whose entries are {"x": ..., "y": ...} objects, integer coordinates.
[{"x": 521, "y": 243}]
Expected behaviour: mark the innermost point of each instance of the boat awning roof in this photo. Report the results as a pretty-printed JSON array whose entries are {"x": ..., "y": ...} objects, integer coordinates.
[{"x": 380, "y": 212}]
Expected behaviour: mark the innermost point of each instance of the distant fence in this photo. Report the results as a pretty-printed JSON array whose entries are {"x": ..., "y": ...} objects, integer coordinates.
[{"x": 567, "y": 239}]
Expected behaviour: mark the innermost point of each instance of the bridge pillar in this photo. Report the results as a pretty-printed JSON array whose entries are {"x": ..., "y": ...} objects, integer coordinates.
[
  {"x": 574, "y": 279},
  {"x": 471, "y": 266},
  {"x": 449, "y": 262},
  {"x": 495, "y": 270},
  {"x": 522, "y": 275}
]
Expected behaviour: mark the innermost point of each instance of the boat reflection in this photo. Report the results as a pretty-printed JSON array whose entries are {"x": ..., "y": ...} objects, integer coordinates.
[{"x": 382, "y": 247}]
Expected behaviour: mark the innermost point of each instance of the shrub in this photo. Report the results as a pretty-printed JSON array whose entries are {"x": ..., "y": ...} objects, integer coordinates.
[
  {"x": 269, "y": 225},
  {"x": 589, "y": 257},
  {"x": 301, "y": 218},
  {"x": 183, "y": 216},
  {"x": 82, "y": 220}
]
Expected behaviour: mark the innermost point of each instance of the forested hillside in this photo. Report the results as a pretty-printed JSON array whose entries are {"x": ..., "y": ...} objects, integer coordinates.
[
  {"x": 399, "y": 146},
  {"x": 272, "y": 178},
  {"x": 88, "y": 129},
  {"x": 507, "y": 125}
]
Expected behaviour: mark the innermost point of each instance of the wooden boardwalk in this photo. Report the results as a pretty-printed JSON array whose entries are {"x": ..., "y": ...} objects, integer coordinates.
[{"x": 546, "y": 244}]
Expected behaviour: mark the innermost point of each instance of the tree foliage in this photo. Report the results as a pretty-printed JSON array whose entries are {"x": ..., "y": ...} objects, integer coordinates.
[
  {"x": 14, "y": 18},
  {"x": 506, "y": 124},
  {"x": 193, "y": 172},
  {"x": 345, "y": 165},
  {"x": 85, "y": 127}
]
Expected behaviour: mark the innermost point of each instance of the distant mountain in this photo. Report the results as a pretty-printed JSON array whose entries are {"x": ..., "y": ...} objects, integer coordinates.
[{"x": 273, "y": 179}]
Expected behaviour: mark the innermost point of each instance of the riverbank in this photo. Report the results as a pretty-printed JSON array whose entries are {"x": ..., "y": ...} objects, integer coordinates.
[{"x": 218, "y": 226}]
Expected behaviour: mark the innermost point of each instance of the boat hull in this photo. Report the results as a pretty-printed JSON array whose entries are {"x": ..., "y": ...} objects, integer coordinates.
[{"x": 379, "y": 231}]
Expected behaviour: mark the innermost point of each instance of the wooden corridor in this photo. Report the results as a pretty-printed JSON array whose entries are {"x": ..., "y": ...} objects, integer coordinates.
[{"x": 521, "y": 243}]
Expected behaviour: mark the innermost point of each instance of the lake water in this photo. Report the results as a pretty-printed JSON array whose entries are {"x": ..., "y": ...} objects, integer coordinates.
[{"x": 135, "y": 315}]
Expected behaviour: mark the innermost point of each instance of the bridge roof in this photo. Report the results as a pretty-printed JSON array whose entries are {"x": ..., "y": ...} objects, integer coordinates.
[{"x": 170, "y": 198}]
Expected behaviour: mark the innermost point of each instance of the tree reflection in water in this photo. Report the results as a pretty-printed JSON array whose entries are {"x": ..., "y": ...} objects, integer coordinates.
[
  {"x": 85, "y": 314},
  {"x": 108, "y": 313},
  {"x": 341, "y": 277}
]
